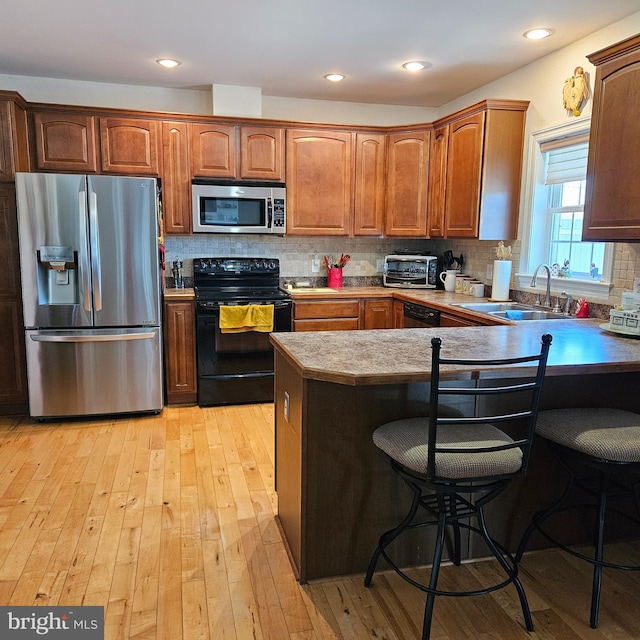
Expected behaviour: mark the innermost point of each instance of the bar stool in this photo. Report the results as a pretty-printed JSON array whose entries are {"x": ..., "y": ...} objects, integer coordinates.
[
  {"x": 595, "y": 446},
  {"x": 455, "y": 465}
]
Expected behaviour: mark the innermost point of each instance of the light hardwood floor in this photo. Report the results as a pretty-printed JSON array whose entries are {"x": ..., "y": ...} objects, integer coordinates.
[{"x": 168, "y": 522}]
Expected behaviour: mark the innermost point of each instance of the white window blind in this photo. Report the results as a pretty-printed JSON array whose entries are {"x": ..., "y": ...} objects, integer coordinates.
[{"x": 565, "y": 159}]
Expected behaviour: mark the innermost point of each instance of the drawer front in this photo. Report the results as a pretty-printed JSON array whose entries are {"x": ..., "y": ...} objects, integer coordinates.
[
  {"x": 326, "y": 309},
  {"x": 326, "y": 324}
]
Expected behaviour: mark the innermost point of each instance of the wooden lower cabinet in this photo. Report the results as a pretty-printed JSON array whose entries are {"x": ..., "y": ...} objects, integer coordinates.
[
  {"x": 326, "y": 315},
  {"x": 340, "y": 315},
  {"x": 13, "y": 390},
  {"x": 180, "y": 352},
  {"x": 378, "y": 313}
]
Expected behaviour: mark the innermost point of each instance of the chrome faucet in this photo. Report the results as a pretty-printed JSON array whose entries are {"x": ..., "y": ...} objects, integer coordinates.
[{"x": 534, "y": 282}]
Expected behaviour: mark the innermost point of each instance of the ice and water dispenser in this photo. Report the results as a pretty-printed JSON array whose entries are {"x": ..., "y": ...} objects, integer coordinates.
[{"x": 57, "y": 275}]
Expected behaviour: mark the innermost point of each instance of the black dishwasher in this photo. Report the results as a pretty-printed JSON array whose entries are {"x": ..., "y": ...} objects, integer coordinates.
[{"x": 417, "y": 315}]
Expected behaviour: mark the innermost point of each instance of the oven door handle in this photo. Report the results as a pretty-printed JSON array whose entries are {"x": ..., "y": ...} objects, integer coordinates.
[{"x": 281, "y": 304}]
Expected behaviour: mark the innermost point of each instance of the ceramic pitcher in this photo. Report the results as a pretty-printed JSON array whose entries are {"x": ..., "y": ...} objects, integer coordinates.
[{"x": 449, "y": 279}]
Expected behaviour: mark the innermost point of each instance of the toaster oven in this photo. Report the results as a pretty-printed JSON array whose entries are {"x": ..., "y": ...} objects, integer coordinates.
[{"x": 410, "y": 272}]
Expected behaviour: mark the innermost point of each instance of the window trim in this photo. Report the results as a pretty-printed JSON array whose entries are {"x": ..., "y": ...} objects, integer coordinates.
[{"x": 534, "y": 179}]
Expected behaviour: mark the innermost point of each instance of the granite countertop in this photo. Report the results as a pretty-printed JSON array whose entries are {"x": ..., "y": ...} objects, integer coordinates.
[{"x": 389, "y": 356}]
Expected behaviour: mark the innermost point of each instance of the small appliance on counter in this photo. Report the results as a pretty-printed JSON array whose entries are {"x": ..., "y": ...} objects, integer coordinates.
[{"x": 412, "y": 271}]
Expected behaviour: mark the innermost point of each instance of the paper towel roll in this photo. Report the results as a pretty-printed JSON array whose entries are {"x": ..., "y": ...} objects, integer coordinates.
[{"x": 501, "y": 279}]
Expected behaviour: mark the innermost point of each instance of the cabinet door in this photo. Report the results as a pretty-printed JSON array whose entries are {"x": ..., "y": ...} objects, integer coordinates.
[
  {"x": 464, "y": 174},
  {"x": 213, "y": 150},
  {"x": 176, "y": 178},
  {"x": 611, "y": 210},
  {"x": 180, "y": 352},
  {"x": 398, "y": 314},
  {"x": 378, "y": 314},
  {"x": 407, "y": 181},
  {"x": 319, "y": 182},
  {"x": 262, "y": 153},
  {"x": 369, "y": 186},
  {"x": 437, "y": 181},
  {"x": 13, "y": 390},
  {"x": 66, "y": 142},
  {"x": 130, "y": 146},
  {"x": 14, "y": 148}
]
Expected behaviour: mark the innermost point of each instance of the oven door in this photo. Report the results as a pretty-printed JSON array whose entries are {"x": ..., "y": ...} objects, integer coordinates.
[{"x": 236, "y": 368}]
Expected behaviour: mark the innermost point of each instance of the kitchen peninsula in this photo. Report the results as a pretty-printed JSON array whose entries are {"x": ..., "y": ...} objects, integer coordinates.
[{"x": 336, "y": 492}]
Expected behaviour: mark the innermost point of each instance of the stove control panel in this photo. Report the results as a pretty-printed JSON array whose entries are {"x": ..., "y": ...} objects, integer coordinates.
[{"x": 270, "y": 266}]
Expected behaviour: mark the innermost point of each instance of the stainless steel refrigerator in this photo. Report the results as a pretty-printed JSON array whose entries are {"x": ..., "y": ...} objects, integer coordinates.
[{"x": 91, "y": 293}]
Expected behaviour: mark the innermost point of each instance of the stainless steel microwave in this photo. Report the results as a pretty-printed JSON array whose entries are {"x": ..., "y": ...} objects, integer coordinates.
[
  {"x": 239, "y": 207},
  {"x": 410, "y": 272}
]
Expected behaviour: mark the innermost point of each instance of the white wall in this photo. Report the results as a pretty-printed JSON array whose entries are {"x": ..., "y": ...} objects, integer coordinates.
[
  {"x": 200, "y": 102},
  {"x": 541, "y": 82}
]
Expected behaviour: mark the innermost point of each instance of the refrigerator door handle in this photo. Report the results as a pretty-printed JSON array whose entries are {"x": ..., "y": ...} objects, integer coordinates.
[
  {"x": 93, "y": 338},
  {"x": 95, "y": 250},
  {"x": 83, "y": 252}
]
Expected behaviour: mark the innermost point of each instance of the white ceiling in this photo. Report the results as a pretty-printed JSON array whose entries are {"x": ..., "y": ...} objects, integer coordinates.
[{"x": 286, "y": 46}]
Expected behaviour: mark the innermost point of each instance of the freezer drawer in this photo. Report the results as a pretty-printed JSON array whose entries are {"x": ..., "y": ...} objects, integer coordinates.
[{"x": 94, "y": 371}]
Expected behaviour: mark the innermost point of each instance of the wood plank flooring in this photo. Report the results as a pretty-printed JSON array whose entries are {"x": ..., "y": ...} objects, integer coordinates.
[{"x": 168, "y": 523}]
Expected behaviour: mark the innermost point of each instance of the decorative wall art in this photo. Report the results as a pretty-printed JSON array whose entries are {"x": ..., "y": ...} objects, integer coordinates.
[{"x": 575, "y": 91}]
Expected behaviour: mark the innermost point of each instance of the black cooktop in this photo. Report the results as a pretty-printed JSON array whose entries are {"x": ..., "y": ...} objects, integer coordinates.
[{"x": 235, "y": 280}]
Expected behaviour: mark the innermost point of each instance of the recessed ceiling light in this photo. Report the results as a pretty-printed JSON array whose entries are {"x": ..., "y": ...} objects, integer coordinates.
[
  {"x": 334, "y": 77},
  {"x": 416, "y": 65},
  {"x": 169, "y": 63},
  {"x": 538, "y": 34}
]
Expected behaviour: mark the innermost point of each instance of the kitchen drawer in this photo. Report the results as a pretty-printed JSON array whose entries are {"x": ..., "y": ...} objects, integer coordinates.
[
  {"x": 326, "y": 309},
  {"x": 326, "y": 324}
]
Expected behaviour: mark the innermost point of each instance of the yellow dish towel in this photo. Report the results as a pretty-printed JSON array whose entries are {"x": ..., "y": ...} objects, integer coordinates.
[{"x": 249, "y": 317}]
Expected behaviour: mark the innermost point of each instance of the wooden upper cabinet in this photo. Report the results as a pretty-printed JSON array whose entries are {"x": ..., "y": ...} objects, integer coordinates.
[
  {"x": 14, "y": 147},
  {"x": 319, "y": 182},
  {"x": 65, "y": 142},
  {"x": 407, "y": 182},
  {"x": 262, "y": 153},
  {"x": 213, "y": 150},
  {"x": 369, "y": 184},
  {"x": 611, "y": 210},
  {"x": 464, "y": 167},
  {"x": 437, "y": 182},
  {"x": 130, "y": 146},
  {"x": 176, "y": 178},
  {"x": 477, "y": 169}
]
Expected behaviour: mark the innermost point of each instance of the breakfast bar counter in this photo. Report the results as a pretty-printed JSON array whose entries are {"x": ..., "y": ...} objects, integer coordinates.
[{"x": 336, "y": 492}]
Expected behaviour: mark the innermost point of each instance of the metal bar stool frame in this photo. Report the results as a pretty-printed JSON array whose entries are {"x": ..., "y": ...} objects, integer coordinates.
[
  {"x": 444, "y": 502},
  {"x": 600, "y": 488}
]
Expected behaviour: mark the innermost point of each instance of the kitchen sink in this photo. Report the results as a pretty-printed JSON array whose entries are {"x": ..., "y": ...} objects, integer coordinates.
[
  {"x": 517, "y": 314},
  {"x": 513, "y": 311}
]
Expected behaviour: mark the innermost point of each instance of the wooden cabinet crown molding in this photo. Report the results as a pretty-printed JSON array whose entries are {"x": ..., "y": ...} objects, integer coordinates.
[{"x": 614, "y": 51}]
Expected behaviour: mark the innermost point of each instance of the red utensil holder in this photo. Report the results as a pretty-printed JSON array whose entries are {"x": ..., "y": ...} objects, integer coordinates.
[{"x": 334, "y": 278}]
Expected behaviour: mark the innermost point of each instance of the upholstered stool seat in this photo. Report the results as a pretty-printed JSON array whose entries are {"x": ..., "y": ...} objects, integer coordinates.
[
  {"x": 404, "y": 441},
  {"x": 608, "y": 434},
  {"x": 595, "y": 446}
]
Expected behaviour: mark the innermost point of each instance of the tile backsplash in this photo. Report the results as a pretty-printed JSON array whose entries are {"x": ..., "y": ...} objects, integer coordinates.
[{"x": 296, "y": 255}]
